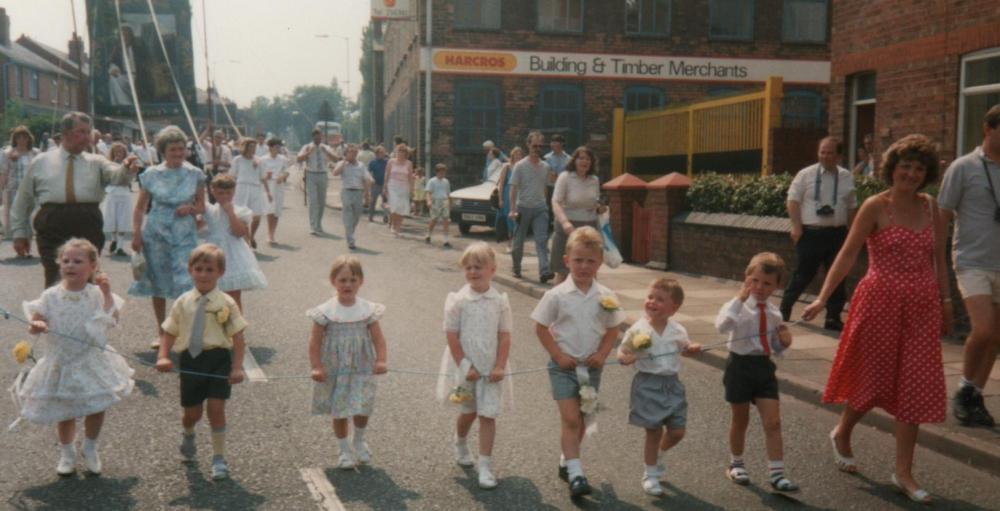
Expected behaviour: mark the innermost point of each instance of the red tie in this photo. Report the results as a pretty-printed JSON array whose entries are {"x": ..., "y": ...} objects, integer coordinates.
[{"x": 763, "y": 328}]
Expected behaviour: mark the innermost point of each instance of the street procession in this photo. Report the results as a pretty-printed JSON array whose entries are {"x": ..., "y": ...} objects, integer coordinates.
[{"x": 547, "y": 254}]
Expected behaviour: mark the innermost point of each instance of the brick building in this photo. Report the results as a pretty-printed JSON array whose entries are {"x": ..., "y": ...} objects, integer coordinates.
[
  {"x": 500, "y": 69},
  {"x": 902, "y": 67}
]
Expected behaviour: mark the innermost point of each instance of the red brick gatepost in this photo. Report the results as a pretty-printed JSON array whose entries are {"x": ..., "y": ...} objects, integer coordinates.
[
  {"x": 623, "y": 192},
  {"x": 665, "y": 197}
]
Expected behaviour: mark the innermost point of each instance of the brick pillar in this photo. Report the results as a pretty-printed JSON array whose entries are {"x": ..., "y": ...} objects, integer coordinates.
[
  {"x": 665, "y": 197},
  {"x": 624, "y": 191}
]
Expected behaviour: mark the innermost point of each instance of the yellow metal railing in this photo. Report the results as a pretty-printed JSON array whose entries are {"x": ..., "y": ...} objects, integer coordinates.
[{"x": 737, "y": 123}]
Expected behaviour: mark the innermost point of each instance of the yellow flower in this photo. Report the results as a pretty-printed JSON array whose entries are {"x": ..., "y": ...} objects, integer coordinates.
[
  {"x": 22, "y": 351},
  {"x": 223, "y": 315},
  {"x": 640, "y": 341},
  {"x": 460, "y": 394},
  {"x": 609, "y": 303}
]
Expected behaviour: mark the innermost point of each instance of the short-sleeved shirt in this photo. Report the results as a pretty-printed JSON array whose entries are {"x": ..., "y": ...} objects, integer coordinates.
[
  {"x": 966, "y": 191},
  {"x": 557, "y": 163},
  {"x": 439, "y": 188},
  {"x": 478, "y": 318},
  {"x": 247, "y": 171},
  {"x": 377, "y": 169},
  {"x": 578, "y": 197},
  {"x": 530, "y": 180},
  {"x": 218, "y": 333},
  {"x": 317, "y": 161},
  {"x": 353, "y": 175},
  {"x": 663, "y": 355},
  {"x": 803, "y": 191},
  {"x": 576, "y": 319}
]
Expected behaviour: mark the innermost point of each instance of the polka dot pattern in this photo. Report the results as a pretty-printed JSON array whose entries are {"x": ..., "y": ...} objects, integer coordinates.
[{"x": 890, "y": 352}]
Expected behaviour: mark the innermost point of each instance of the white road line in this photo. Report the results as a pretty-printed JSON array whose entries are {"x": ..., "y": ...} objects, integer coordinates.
[
  {"x": 251, "y": 368},
  {"x": 322, "y": 491}
]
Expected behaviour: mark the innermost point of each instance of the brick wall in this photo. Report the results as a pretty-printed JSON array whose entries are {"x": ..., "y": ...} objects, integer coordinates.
[{"x": 915, "y": 49}]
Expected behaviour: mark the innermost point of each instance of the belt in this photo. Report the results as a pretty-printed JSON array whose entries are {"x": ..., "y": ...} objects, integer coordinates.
[
  {"x": 823, "y": 227},
  {"x": 315, "y": 172},
  {"x": 62, "y": 205},
  {"x": 352, "y": 189}
]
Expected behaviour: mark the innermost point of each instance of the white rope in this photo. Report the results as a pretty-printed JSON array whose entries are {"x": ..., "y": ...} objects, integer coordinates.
[
  {"x": 230, "y": 117},
  {"x": 170, "y": 67},
  {"x": 128, "y": 72}
]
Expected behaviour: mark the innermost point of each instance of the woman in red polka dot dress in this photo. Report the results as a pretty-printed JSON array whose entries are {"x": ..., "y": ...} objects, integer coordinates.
[{"x": 890, "y": 352}]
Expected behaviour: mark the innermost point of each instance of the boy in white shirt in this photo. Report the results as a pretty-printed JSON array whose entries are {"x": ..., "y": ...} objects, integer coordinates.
[
  {"x": 577, "y": 324},
  {"x": 755, "y": 333},
  {"x": 439, "y": 201},
  {"x": 658, "y": 402}
]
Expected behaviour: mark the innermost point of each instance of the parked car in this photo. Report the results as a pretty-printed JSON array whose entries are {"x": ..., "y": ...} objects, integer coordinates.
[{"x": 471, "y": 205}]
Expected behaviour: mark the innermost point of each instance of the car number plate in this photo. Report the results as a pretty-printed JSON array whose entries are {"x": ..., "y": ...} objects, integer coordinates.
[{"x": 472, "y": 217}]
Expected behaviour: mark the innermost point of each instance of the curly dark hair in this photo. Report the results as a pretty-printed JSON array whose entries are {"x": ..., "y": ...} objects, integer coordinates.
[{"x": 914, "y": 147}]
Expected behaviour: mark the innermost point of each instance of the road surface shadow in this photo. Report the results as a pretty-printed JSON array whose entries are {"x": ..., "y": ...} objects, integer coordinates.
[
  {"x": 363, "y": 250},
  {"x": 266, "y": 258},
  {"x": 286, "y": 247},
  {"x": 893, "y": 497},
  {"x": 78, "y": 492},
  {"x": 370, "y": 486},
  {"x": 215, "y": 495},
  {"x": 261, "y": 354},
  {"x": 775, "y": 500},
  {"x": 146, "y": 388},
  {"x": 21, "y": 261},
  {"x": 604, "y": 497},
  {"x": 676, "y": 498},
  {"x": 510, "y": 493}
]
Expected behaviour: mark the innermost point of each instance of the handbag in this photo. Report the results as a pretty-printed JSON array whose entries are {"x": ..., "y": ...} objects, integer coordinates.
[
  {"x": 612, "y": 257},
  {"x": 138, "y": 265},
  {"x": 495, "y": 198}
]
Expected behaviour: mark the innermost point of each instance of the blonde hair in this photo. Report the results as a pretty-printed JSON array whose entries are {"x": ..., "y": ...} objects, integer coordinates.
[
  {"x": 207, "y": 252},
  {"x": 223, "y": 182},
  {"x": 671, "y": 287},
  {"x": 769, "y": 263},
  {"x": 440, "y": 167},
  {"x": 78, "y": 243},
  {"x": 117, "y": 146},
  {"x": 402, "y": 147},
  {"x": 347, "y": 261},
  {"x": 586, "y": 237},
  {"x": 478, "y": 253}
]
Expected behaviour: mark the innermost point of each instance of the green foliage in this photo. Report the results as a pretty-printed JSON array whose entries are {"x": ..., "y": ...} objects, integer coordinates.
[
  {"x": 300, "y": 110},
  {"x": 14, "y": 116},
  {"x": 866, "y": 186},
  {"x": 739, "y": 194}
]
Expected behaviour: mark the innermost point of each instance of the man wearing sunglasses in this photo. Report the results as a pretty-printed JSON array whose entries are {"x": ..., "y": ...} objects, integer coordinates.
[{"x": 528, "y": 208}]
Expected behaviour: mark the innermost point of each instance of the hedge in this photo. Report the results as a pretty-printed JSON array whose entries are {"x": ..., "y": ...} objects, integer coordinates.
[{"x": 759, "y": 196}]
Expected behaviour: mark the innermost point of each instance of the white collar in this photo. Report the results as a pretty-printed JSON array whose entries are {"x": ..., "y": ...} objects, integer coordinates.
[{"x": 470, "y": 294}]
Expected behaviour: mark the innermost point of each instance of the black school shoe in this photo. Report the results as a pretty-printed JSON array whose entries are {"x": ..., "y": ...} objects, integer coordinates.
[
  {"x": 834, "y": 324},
  {"x": 579, "y": 487},
  {"x": 563, "y": 473},
  {"x": 970, "y": 409}
]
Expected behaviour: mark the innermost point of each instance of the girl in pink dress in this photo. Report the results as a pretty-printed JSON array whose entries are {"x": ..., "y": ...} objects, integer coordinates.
[
  {"x": 890, "y": 351},
  {"x": 398, "y": 184}
]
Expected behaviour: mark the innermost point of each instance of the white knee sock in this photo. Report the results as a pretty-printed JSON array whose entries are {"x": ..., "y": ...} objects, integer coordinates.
[{"x": 575, "y": 468}]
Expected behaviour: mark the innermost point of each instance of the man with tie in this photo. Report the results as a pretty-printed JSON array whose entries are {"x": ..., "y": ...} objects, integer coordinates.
[
  {"x": 67, "y": 185},
  {"x": 316, "y": 156}
]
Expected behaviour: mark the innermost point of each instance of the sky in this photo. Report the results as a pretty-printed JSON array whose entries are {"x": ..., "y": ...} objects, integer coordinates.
[{"x": 256, "y": 47}]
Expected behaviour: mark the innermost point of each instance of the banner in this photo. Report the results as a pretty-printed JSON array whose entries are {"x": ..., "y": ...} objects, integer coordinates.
[
  {"x": 631, "y": 67},
  {"x": 391, "y": 9},
  {"x": 112, "y": 94}
]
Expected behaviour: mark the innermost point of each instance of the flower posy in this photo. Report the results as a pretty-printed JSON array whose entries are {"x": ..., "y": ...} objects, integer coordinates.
[
  {"x": 588, "y": 399},
  {"x": 223, "y": 315},
  {"x": 609, "y": 303},
  {"x": 22, "y": 352},
  {"x": 460, "y": 394},
  {"x": 640, "y": 341}
]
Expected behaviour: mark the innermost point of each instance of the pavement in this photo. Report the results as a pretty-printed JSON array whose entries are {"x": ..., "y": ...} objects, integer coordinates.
[{"x": 802, "y": 372}]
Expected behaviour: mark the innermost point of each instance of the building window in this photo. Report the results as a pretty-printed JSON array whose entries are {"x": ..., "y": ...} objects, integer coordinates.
[
  {"x": 647, "y": 17},
  {"x": 477, "y": 114},
  {"x": 802, "y": 109},
  {"x": 33, "y": 85},
  {"x": 477, "y": 14},
  {"x": 804, "y": 21},
  {"x": 862, "y": 113},
  {"x": 642, "y": 97},
  {"x": 560, "y": 107},
  {"x": 560, "y": 15},
  {"x": 980, "y": 91},
  {"x": 18, "y": 82},
  {"x": 66, "y": 93},
  {"x": 731, "y": 19},
  {"x": 54, "y": 92}
]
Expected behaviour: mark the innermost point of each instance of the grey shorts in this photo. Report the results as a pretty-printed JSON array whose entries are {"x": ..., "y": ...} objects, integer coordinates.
[
  {"x": 657, "y": 400},
  {"x": 565, "y": 385}
]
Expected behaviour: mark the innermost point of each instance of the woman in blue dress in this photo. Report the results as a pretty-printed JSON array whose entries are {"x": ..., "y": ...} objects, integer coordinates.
[
  {"x": 503, "y": 183},
  {"x": 177, "y": 192}
]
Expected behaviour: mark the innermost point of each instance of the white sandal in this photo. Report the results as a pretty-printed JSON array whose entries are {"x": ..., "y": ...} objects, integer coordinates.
[
  {"x": 844, "y": 463},
  {"x": 919, "y": 495},
  {"x": 738, "y": 475}
]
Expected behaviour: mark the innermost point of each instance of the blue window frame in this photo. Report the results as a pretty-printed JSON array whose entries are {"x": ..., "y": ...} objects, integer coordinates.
[
  {"x": 477, "y": 114},
  {"x": 560, "y": 109},
  {"x": 647, "y": 17},
  {"x": 715, "y": 92},
  {"x": 642, "y": 97},
  {"x": 731, "y": 19},
  {"x": 477, "y": 14},
  {"x": 804, "y": 21},
  {"x": 560, "y": 15},
  {"x": 802, "y": 109}
]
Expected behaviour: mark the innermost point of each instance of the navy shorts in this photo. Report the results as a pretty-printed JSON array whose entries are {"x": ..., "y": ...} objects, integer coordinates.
[
  {"x": 749, "y": 377},
  {"x": 196, "y": 389}
]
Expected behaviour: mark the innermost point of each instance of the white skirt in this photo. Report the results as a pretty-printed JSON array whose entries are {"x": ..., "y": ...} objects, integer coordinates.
[
  {"x": 277, "y": 198},
  {"x": 399, "y": 199},
  {"x": 117, "y": 211},
  {"x": 252, "y": 197}
]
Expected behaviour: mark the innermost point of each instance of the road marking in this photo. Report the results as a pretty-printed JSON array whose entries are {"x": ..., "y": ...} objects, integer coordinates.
[
  {"x": 322, "y": 491},
  {"x": 252, "y": 369}
]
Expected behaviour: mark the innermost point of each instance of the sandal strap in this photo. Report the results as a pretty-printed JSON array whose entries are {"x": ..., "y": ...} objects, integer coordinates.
[{"x": 782, "y": 483}]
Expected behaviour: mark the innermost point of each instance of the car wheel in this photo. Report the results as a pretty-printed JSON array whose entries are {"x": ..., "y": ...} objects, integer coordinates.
[{"x": 464, "y": 229}]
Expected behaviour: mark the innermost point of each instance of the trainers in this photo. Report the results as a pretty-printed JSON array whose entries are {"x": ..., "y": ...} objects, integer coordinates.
[
  {"x": 486, "y": 479},
  {"x": 361, "y": 451},
  {"x": 651, "y": 486},
  {"x": 969, "y": 408},
  {"x": 346, "y": 461},
  {"x": 188, "y": 448},
  {"x": 579, "y": 487},
  {"x": 220, "y": 470},
  {"x": 67, "y": 464},
  {"x": 462, "y": 455},
  {"x": 92, "y": 461}
]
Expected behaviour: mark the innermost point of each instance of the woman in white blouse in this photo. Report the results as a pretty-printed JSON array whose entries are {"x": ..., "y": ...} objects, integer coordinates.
[{"x": 575, "y": 202}]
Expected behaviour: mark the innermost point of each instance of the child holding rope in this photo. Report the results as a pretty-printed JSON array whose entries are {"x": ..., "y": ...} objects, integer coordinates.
[
  {"x": 658, "y": 402},
  {"x": 346, "y": 350},
  {"x": 79, "y": 376},
  {"x": 477, "y": 323}
]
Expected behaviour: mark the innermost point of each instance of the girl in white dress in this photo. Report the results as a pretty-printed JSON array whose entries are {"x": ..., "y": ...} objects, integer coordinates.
[
  {"x": 82, "y": 376},
  {"x": 226, "y": 226},
  {"x": 346, "y": 351},
  {"x": 252, "y": 189},
  {"x": 117, "y": 206},
  {"x": 398, "y": 185},
  {"x": 477, "y": 322},
  {"x": 275, "y": 173}
]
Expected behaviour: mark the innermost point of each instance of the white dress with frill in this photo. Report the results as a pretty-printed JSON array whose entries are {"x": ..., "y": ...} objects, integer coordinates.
[
  {"x": 242, "y": 271},
  {"x": 250, "y": 192},
  {"x": 74, "y": 377}
]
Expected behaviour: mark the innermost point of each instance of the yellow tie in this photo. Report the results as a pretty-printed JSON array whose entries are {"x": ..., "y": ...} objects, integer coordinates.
[{"x": 70, "y": 192}]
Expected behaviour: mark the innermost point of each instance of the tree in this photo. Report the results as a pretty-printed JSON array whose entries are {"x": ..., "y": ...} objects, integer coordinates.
[
  {"x": 298, "y": 111},
  {"x": 14, "y": 115}
]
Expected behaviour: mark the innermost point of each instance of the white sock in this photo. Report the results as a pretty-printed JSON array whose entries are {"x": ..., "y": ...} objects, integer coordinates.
[
  {"x": 562, "y": 460},
  {"x": 68, "y": 450},
  {"x": 967, "y": 383},
  {"x": 89, "y": 445},
  {"x": 460, "y": 440},
  {"x": 484, "y": 463},
  {"x": 359, "y": 435},
  {"x": 575, "y": 468},
  {"x": 652, "y": 471},
  {"x": 775, "y": 468},
  {"x": 344, "y": 445},
  {"x": 736, "y": 461}
]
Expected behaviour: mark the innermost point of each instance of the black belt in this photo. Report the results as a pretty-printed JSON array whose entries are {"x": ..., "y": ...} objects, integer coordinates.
[
  {"x": 823, "y": 227},
  {"x": 353, "y": 189},
  {"x": 71, "y": 205}
]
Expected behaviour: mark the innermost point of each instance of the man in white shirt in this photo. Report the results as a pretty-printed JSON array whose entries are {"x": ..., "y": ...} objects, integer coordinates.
[
  {"x": 316, "y": 156},
  {"x": 355, "y": 182},
  {"x": 821, "y": 206}
]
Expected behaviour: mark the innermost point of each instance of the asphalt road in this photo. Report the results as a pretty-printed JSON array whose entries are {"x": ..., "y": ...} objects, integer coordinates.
[{"x": 281, "y": 457}]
